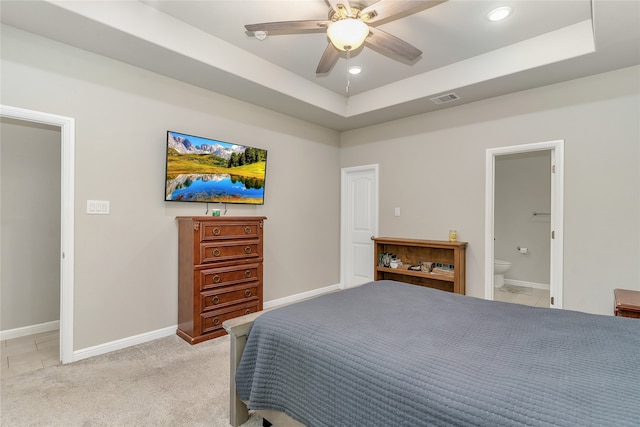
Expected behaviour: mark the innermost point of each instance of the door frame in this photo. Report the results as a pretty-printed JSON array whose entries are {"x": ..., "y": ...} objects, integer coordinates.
[
  {"x": 344, "y": 235},
  {"x": 556, "y": 148},
  {"x": 67, "y": 162}
]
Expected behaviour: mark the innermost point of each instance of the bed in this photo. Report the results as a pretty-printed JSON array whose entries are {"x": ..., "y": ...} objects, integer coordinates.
[{"x": 392, "y": 354}]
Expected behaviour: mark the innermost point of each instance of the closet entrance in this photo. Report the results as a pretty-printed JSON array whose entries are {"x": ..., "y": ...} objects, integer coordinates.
[{"x": 358, "y": 223}]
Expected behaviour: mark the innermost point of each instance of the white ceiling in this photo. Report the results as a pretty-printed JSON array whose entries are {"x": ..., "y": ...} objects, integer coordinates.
[{"x": 204, "y": 43}]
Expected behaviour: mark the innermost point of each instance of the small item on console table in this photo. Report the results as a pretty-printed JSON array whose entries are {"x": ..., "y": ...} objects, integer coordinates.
[
  {"x": 444, "y": 271},
  {"x": 627, "y": 303}
]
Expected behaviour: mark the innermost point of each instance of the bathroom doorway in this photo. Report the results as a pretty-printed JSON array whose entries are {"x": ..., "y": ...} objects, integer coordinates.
[
  {"x": 524, "y": 223},
  {"x": 66, "y": 160}
]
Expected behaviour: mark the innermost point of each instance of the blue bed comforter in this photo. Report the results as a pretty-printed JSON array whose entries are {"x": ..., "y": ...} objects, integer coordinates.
[{"x": 393, "y": 354}]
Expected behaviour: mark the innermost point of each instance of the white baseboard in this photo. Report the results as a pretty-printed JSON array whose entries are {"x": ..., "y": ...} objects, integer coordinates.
[
  {"x": 165, "y": 332},
  {"x": 29, "y": 330},
  {"x": 299, "y": 297},
  {"x": 525, "y": 284},
  {"x": 123, "y": 343}
]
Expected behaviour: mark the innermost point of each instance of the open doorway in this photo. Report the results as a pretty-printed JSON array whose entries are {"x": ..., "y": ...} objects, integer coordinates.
[
  {"x": 513, "y": 230},
  {"x": 66, "y": 126},
  {"x": 522, "y": 228}
]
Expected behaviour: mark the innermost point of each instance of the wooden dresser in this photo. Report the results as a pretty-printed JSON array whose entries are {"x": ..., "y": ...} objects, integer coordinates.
[
  {"x": 219, "y": 273},
  {"x": 627, "y": 303}
]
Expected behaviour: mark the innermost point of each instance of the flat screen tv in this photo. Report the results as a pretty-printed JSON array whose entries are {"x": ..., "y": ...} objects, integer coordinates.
[{"x": 206, "y": 170}]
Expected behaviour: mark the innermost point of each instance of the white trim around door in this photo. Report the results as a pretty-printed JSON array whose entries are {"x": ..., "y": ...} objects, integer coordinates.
[
  {"x": 358, "y": 223},
  {"x": 557, "y": 214},
  {"x": 67, "y": 161}
]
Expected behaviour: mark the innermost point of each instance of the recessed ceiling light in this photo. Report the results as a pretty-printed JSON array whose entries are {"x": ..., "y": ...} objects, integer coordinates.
[
  {"x": 260, "y": 35},
  {"x": 355, "y": 70},
  {"x": 499, "y": 14}
]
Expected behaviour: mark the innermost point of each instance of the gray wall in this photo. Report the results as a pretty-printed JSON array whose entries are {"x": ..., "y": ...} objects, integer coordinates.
[
  {"x": 433, "y": 167},
  {"x": 30, "y": 220},
  {"x": 522, "y": 187},
  {"x": 126, "y": 262}
]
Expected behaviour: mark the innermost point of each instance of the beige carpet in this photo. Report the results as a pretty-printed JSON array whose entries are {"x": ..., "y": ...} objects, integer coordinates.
[{"x": 166, "y": 382}]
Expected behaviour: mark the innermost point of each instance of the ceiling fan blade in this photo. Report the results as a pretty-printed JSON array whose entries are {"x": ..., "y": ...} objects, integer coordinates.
[
  {"x": 328, "y": 60},
  {"x": 385, "y": 41},
  {"x": 392, "y": 9},
  {"x": 288, "y": 26}
]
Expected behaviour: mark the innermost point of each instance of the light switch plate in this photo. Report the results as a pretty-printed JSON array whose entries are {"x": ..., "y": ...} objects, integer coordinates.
[{"x": 98, "y": 207}]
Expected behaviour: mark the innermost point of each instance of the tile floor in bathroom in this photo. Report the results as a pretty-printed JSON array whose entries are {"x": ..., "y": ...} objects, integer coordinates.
[
  {"x": 29, "y": 353},
  {"x": 525, "y": 296}
]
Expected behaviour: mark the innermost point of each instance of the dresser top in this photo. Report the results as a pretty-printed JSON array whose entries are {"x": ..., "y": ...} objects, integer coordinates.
[{"x": 219, "y": 218}]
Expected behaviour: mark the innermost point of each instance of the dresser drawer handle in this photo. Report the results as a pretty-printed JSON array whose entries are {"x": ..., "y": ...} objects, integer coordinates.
[
  {"x": 215, "y": 321},
  {"x": 247, "y": 311},
  {"x": 216, "y": 252},
  {"x": 247, "y": 230},
  {"x": 247, "y": 293},
  {"x": 215, "y": 300},
  {"x": 216, "y": 231},
  {"x": 247, "y": 250},
  {"x": 247, "y": 273},
  {"x": 216, "y": 279}
]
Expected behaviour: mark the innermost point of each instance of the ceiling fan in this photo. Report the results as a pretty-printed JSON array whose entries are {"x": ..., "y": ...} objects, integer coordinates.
[{"x": 351, "y": 25}]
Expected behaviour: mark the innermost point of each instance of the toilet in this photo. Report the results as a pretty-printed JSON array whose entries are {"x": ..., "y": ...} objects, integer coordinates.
[{"x": 499, "y": 268}]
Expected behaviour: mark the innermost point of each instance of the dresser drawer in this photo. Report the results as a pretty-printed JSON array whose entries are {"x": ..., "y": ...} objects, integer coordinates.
[
  {"x": 212, "y": 320},
  {"x": 228, "y": 251},
  {"x": 225, "y": 276},
  {"x": 212, "y": 300},
  {"x": 230, "y": 230}
]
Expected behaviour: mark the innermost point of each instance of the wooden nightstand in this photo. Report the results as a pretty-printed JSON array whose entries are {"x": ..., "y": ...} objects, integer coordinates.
[{"x": 627, "y": 303}]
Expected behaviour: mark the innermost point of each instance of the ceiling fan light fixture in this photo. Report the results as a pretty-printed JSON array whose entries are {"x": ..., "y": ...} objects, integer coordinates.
[
  {"x": 347, "y": 34},
  {"x": 355, "y": 70}
]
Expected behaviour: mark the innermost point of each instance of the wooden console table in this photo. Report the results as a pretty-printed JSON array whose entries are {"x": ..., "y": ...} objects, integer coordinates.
[{"x": 411, "y": 251}]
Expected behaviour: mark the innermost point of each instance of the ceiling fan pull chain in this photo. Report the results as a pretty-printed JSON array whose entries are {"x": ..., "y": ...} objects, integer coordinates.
[{"x": 348, "y": 79}]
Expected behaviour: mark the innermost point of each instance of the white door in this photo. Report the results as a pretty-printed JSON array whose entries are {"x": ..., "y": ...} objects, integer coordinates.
[{"x": 359, "y": 223}]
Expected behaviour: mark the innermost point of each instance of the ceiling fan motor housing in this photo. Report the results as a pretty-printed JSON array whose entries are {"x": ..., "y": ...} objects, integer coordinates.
[{"x": 353, "y": 11}]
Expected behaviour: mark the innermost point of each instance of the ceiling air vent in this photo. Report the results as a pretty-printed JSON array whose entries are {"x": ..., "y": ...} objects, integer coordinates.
[{"x": 445, "y": 98}]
